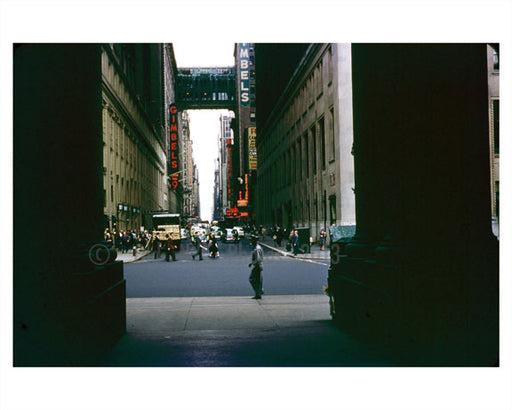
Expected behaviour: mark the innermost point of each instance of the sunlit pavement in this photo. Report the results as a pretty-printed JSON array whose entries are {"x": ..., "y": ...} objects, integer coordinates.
[{"x": 292, "y": 330}]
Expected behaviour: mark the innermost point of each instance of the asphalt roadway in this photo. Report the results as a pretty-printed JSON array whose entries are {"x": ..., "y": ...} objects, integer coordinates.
[{"x": 226, "y": 275}]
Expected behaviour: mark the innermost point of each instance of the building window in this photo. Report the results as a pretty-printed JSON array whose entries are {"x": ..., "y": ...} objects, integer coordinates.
[
  {"x": 324, "y": 207},
  {"x": 332, "y": 209},
  {"x": 306, "y": 154},
  {"x": 496, "y": 61},
  {"x": 310, "y": 91},
  {"x": 288, "y": 171},
  {"x": 496, "y": 124},
  {"x": 320, "y": 79},
  {"x": 316, "y": 209},
  {"x": 497, "y": 198},
  {"x": 313, "y": 138},
  {"x": 293, "y": 162},
  {"x": 329, "y": 65},
  {"x": 332, "y": 139},
  {"x": 321, "y": 129},
  {"x": 299, "y": 155}
]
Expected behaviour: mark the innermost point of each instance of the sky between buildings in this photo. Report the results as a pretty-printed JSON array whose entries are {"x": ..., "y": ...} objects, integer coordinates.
[{"x": 204, "y": 124}]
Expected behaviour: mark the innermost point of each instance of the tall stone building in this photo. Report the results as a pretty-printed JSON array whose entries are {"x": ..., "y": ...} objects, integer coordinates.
[
  {"x": 245, "y": 160},
  {"x": 217, "y": 201},
  {"x": 493, "y": 73},
  {"x": 189, "y": 177},
  {"x": 304, "y": 138},
  {"x": 137, "y": 87},
  {"x": 175, "y": 195},
  {"x": 226, "y": 143}
]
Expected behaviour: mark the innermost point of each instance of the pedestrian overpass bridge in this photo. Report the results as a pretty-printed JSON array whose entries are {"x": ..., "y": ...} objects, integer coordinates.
[{"x": 206, "y": 88}]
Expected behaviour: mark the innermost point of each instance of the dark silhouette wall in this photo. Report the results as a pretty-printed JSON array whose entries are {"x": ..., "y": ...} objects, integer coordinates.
[
  {"x": 69, "y": 303},
  {"x": 421, "y": 274}
]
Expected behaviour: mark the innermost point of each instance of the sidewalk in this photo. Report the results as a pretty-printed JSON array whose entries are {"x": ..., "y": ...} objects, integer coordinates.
[
  {"x": 128, "y": 256},
  {"x": 315, "y": 253},
  {"x": 287, "y": 330}
]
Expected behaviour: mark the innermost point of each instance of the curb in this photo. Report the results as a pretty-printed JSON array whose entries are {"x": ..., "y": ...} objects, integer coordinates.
[
  {"x": 136, "y": 258},
  {"x": 291, "y": 255},
  {"x": 283, "y": 253}
]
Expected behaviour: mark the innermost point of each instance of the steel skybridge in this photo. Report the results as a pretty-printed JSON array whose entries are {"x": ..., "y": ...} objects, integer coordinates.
[{"x": 206, "y": 88}]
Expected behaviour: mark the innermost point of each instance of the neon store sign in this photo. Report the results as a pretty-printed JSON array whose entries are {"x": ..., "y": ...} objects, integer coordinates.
[{"x": 174, "y": 152}]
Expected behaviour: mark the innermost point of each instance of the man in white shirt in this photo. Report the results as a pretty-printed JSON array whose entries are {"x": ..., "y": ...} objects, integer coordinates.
[{"x": 256, "y": 277}]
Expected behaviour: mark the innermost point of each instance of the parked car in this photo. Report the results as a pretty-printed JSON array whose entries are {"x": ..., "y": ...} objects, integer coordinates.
[
  {"x": 217, "y": 232},
  {"x": 203, "y": 234},
  {"x": 228, "y": 236},
  {"x": 240, "y": 230}
]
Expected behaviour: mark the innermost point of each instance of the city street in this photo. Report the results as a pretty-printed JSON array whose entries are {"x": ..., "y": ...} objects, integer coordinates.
[
  {"x": 224, "y": 276},
  {"x": 191, "y": 313},
  {"x": 200, "y": 313}
]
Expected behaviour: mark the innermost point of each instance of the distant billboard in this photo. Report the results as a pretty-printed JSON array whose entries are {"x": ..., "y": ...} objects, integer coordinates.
[{"x": 251, "y": 145}]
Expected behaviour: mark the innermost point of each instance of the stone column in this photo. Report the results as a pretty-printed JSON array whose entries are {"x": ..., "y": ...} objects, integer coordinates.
[
  {"x": 429, "y": 273},
  {"x": 69, "y": 298}
]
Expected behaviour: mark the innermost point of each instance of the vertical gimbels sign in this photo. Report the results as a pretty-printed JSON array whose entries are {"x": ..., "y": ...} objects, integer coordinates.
[
  {"x": 174, "y": 151},
  {"x": 244, "y": 84}
]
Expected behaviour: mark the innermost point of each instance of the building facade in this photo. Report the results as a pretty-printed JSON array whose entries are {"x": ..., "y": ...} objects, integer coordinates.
[
  {"x": 174, "y": 193},
  {"x": 137, "y": 87},
  {"x": 493, "y": 70},
  {"x": 245, "y": 158},
  {"x": 224, "y": 192},
  {"x": 304, "y": 143},
  {"x": 189, "y": 178},
  {"x": 217, "y": 201}
]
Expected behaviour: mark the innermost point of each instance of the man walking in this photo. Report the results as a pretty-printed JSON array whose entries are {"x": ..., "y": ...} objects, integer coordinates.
[
  {"x": 323, "y": 238},
  {"x": 199, "y": 247},
  {"x": 156, "y": 247},
  {"x": 296, "y": 243},
  {"x": 256, "y": 277},
  {"x": 170, "y": 247}
]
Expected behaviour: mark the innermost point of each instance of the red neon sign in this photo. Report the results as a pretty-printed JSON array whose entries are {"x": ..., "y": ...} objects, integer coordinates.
[{"x": 174, "y": 150}]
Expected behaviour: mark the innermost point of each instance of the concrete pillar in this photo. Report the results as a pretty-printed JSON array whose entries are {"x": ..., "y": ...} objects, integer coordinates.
[
  {"x": 69, "y": 298},
  {"x": 345, "y": 203},
  {"x": 423, "y": 267}
]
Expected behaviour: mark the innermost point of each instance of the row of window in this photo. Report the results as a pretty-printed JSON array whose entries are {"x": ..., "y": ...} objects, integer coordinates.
[
  {"x": 123, "y": 154},
  {"x": 312, "y": 89},
  {"x": 304, "y": 156},
  {"x": 316, "y": 209}
]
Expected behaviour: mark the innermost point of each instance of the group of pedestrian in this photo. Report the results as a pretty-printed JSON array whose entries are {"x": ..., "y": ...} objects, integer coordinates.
[
  {"x": 293, "y": 241},
  {"x": 277, "y": 235},
  {"x": 168, "y": 244},
  {"x": 124, "y": 241}
]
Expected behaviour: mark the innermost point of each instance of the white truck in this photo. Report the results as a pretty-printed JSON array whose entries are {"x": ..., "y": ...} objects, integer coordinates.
[{"x": 167, "y": 224}]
